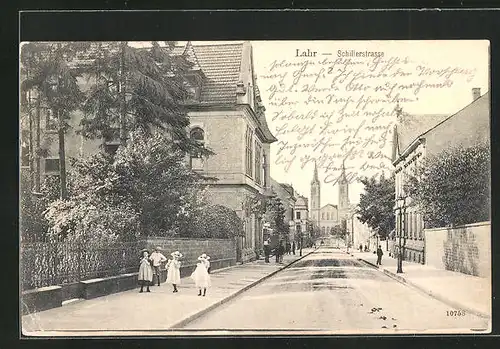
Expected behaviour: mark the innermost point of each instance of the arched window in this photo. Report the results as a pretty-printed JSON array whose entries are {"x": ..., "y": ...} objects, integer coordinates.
[{"x": 198, "y": 135}]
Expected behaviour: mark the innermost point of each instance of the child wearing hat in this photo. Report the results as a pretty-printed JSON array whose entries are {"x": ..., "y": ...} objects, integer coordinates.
[
  {"x": 157, "y": 258},
  {"x": 173, "y": 270},
  {"x": 200, "y": 275},
  {"x": 145, "y": 271}
]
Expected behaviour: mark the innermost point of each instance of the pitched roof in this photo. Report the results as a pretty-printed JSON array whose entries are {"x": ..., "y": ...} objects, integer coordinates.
[
  {"x": 332, "y": 205},
  {"x": 411, "y": 126},
  {"x": 301, "y": 201},
  {"x": 457, "y": 114},
  {"x": 221, "y": 65}
]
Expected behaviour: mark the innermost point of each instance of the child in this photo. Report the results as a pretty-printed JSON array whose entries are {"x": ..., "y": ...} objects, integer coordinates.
[
  {"x": 145, "y": 272},
  {"x": 200, "y": 275},
  {"x": 157, "y": 258},
  {"x": 173, "y": 270}
]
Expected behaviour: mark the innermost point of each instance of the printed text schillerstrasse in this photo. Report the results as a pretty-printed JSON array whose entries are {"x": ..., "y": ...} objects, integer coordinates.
[{"x": 355, "y": 53}]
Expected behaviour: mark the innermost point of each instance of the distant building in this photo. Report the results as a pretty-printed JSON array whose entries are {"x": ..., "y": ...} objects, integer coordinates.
[
  {"x": 302, "y": 217},
  {"x": 330, "y": 216},
  {"x": 418, "y": 136},
  {"x": 286, "y": 194}
]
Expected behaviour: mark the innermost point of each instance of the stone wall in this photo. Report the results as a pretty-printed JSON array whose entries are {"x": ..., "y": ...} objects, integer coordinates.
[
  {"x": 191, "y": 249},
  {"x": 465, "y": 249}
]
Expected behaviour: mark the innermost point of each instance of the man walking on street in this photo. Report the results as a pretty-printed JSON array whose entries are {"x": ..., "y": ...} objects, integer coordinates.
[
  {"x": 380, "y": 253},
  {"x": 157, "y": 259}
]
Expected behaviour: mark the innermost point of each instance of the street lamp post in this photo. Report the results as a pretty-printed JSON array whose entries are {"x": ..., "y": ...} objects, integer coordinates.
[
  {"x": 401, "y": 230},
  {"x": 301, "y": 238}
]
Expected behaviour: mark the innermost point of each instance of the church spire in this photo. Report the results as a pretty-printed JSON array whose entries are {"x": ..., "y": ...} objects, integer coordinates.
[
  {"x": 315, "y": 176},
  {"x": 343, "y": 177}
]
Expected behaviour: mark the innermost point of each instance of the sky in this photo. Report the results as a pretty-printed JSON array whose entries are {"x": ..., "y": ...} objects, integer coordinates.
[
  {"x": 298, "y": 99},
  {"x": 433, "y": 61}
]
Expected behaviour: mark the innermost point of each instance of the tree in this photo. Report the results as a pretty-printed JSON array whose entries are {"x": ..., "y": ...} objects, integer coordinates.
[
  {"x": 145, "y": 189},
  {"x": 376, "y": 204},
  {"x": 133, "y": 89},
  {"x": 275, "y": 214},
  {"x": 453, "y": 187},
  {"x": 46, "y": 72},
  {"x": 337, "y": 231}
]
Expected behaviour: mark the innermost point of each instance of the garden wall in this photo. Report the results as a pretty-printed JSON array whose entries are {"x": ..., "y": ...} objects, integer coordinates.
[{"x": 465, "y": 249}]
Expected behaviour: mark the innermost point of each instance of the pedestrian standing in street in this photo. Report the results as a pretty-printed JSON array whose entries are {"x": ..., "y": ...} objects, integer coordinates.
[
  {"x": 173, "y": 270},
  {"x": 288, "y": 247},
  {"x": 380, "y": 253},
  {"x": 266, "y": 250},
  {"x": 157, "y": 258},
  {"x": 145, "y": 272},
  {"x": 360, "y": 248},
  {"x": 201, "y": 276},
  {"x": 293, "y": 248},
  {"x": 277, "y": 252}
]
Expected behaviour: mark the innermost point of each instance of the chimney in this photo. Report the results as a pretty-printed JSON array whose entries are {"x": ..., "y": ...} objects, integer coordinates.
[{"x": 476, "y": 93}]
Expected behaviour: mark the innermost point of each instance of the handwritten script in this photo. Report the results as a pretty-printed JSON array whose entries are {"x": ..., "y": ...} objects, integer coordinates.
[{"x": 343, "y": 110}]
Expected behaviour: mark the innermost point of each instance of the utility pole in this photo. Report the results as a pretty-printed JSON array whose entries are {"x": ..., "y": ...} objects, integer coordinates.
[{"x": 401, "y": 231}]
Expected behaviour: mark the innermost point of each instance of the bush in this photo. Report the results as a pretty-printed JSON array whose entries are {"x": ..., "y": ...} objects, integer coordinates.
[{"x": 216, "y": 221}]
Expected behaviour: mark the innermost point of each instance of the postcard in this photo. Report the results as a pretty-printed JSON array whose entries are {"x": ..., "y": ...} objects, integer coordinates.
[{"x": 255, "y": 188}]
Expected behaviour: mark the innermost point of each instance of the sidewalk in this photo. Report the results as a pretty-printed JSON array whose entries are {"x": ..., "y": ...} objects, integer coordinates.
[
  {"x": 461, "y": 291},
  {"x": 159, "y": 310}
]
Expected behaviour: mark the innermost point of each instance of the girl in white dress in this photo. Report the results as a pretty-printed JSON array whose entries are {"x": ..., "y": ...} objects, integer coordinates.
[
  {"x": 173, "y": 270},
  {"x": 145, "y": 275},
  {"x": 200, "y": 275}
]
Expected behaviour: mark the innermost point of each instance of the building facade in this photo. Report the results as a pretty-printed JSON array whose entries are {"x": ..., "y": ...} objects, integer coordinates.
[
  {"x": 435, "y": 133},
  {"x": 227, "y": 114}
]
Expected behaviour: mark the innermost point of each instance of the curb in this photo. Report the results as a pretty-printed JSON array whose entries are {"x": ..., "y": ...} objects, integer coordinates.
[
  {"x": 369, "y": 263},
  {"x": 200, "y": 313},
  {"x": 438, "y": 297}
]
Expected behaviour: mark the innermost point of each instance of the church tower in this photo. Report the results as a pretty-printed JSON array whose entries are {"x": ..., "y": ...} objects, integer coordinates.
[
  {"x": 315, "y": 196},
  {"x": 343, "y": 194}
]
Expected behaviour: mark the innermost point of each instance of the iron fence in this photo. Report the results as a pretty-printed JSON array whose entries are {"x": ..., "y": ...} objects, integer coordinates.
[{"x": 56, "y": 263}]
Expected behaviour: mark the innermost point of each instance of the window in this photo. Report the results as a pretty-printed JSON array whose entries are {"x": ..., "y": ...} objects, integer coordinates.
[
  {"x": 111, "y": 148},
  {"x": 322, "y": 215},
  {"x": 405, "y": 225},
  {"x": 198, "y": 135},
  {"x": 264, "y": 167},
  {"x": 258, "y": 167},
  {"x": 52, "y": 166},
  {"x": 50, "y": 120},
  {"x": 249, "y": 152},
  {"x": 297, "y": 215}
]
